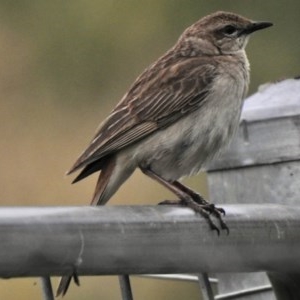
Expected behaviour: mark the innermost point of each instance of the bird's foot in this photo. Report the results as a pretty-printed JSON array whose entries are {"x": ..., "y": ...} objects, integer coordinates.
[{"x": 201, "y": 206}]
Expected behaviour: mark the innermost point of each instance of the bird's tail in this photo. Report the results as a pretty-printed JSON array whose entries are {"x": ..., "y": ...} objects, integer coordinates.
[
  {"x": 106, "y": 181},
  {"x": 112, "y": 176},
  {"x": 64, "y": 285}
]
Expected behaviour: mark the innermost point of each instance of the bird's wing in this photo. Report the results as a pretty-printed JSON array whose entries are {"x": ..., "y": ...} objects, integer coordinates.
[{"x": 159, "y": 97}]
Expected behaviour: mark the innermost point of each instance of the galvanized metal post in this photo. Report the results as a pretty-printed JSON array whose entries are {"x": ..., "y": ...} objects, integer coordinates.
[
  {"x": 125, "y": 287},
  {"x": 262, "y": 165},
  {"x": 205, "y": 286},
  {"x": 47, "y": 288}
]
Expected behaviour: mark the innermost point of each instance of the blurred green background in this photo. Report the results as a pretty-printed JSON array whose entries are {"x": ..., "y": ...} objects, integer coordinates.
[{"x": 63, "y": 67}]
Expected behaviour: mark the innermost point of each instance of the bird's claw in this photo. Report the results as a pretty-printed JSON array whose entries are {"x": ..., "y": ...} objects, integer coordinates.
[
  {"x": 206, "y": 210},
  {"x": 218, "y": 212}
]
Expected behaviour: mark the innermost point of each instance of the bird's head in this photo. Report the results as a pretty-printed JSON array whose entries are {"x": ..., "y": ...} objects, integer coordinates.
[{"x": 221, "y": 33}]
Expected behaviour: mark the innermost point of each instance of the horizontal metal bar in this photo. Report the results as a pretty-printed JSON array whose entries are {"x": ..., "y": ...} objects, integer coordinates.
[
  {"x": 245, "y": 292},
  {"x": 178, "y": 277},
  {"x": 146, "y": 240}
]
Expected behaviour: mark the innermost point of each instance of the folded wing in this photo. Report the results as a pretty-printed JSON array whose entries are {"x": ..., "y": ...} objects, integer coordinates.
[{"x": 160, "y": 96}]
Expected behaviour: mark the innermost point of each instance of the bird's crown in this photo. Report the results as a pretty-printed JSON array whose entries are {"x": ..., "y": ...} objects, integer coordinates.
[{"x": 221, "y": 33}]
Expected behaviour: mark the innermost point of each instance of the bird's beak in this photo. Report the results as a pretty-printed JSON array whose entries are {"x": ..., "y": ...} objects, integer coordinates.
[{"x": 256, "y": 26}]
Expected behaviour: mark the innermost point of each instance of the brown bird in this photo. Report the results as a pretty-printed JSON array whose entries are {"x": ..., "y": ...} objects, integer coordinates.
[{"x": 177, "y": 116}]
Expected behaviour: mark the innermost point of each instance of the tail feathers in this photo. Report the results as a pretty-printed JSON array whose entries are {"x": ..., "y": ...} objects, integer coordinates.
[
  {"x": 104, "y": 177},
  {"x": 114, "y": 173},
  {"x": 64, "y": 284},
  {"x": 90, "y": 169},
  {"x": 110, "y": 179},
  {"x": 100, "y": 196}
]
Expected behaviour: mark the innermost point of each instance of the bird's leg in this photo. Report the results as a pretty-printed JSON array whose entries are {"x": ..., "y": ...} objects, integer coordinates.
[
  {"x": 190, "y": 199},
  {"x": 216, "y": 211},
  {"x": 196, "y": 196}
]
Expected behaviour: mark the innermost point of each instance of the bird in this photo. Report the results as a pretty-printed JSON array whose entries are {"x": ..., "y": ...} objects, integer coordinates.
[{"x": 176, "y": 117}]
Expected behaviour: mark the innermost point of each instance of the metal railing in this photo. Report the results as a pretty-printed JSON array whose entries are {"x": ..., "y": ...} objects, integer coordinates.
[
  {"x": 262, "y": 165},
  {"x": 56, "y": 241}
]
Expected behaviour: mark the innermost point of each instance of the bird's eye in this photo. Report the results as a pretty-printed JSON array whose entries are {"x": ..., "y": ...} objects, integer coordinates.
[{"x": 229, "y": 30}]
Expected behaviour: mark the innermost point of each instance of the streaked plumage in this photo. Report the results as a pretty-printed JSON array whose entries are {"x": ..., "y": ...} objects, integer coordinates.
[{"x": 178, "y": 114}]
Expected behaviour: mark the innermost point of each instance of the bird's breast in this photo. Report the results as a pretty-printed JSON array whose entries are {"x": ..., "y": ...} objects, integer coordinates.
[{"x": 186, "y": 146}]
